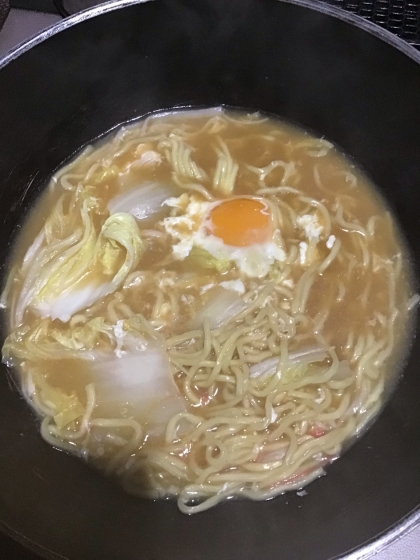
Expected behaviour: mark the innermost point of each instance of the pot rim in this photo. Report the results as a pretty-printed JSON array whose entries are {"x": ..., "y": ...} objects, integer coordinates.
[{"x": 315, "y": 5}]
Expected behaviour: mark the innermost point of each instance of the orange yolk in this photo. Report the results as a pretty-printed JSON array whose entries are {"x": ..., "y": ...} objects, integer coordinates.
[{"x": 240, "y": 222}]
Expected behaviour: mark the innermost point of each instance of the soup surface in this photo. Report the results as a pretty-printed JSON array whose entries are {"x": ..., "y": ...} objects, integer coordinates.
[{"x": 207, "y": 304}]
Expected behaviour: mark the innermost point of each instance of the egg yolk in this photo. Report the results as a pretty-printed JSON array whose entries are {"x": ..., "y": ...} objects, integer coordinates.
[{"x": 240, "y": 222}]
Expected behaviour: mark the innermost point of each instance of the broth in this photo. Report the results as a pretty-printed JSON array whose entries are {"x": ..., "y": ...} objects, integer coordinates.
[{"x": 215, "y": 303}]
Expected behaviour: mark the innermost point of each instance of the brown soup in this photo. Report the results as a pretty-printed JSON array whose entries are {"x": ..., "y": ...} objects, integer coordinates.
[{"x": 206, "y": 305}]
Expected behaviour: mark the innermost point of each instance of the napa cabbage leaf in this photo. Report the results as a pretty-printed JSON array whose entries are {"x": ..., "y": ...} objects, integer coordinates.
[
  {"x": 203, "y": 259},
  {"x": 222, "y": 306},
  {"x": 67, "y": 408},
  {"x": 69, "y": 275},
  {"x": 144, "y": 201}
]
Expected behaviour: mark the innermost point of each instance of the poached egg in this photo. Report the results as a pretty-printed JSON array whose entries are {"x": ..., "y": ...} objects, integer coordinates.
[{"x": 237, "y": 229}]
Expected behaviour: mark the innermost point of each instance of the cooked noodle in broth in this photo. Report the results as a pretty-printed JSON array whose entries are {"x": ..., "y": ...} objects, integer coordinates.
[{"x": 206, "y": 305}]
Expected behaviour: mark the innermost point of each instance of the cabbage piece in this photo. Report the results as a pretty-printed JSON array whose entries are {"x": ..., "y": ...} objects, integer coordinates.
[
  {"x": 297, "y": 364},
  {"x": 147, "y": 158},
  {"x": 82, "y": 337},
  {"x": 136, "y": 378},
  {"x": 223, "y": 306},
  {"x": 144, "y": 201},
  {"x": 160, "y": 414},
  {"x": 132, "y": 334},
  {"x": 296, "y": 372},
  {"x": 64, "y": 254},
  {"x": 43, "y": 341},
  {"x": 89, "y": 341},
  {"x": 138, "y": 375},
  {"x": 132, "y": 372},
  {"x": 140, "y": 380},
  {"x": 65, "y": 282},
  {"x": 67, "y": 408},
  {"x": 202, "y": 258},
  {"x": 120, "y": 231}
]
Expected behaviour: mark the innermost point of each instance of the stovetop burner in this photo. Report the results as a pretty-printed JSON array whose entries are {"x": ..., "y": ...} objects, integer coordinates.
[{"x": 401, "y": 17}]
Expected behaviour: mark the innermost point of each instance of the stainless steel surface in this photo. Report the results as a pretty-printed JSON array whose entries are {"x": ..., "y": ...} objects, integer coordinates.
[{"x": 403, "y": 543}]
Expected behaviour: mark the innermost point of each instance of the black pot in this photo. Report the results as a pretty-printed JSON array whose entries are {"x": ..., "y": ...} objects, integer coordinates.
[{"x": 318, "y": 67}]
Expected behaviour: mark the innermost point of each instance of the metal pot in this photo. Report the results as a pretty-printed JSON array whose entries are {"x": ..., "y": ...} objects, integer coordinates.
[{"x": 319, "y": 67}]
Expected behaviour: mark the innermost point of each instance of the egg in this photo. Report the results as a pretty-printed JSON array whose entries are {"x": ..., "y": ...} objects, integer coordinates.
[
  {"x": 311, "y": 226},
  {"x": 238, "y": 229}
]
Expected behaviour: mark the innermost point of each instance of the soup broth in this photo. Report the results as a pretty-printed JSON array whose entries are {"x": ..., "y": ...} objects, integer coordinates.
[{"x": 207, "y": 304}]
